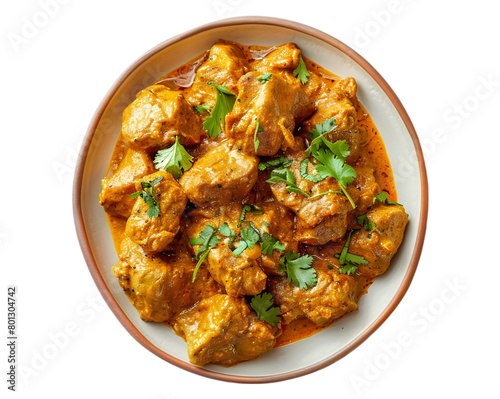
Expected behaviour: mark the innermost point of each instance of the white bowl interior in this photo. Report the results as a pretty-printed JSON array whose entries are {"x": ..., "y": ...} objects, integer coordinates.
[{"x": 327, "y": 343}]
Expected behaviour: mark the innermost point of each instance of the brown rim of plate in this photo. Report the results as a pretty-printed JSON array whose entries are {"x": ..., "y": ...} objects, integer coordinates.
[{"x": 98, "y": 278}]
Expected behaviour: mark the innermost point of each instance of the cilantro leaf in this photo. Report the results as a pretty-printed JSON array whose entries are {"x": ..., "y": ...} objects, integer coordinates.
[
  {"x": 247, "y": 208},
  {"x": 202, "y": 108},
  {"x": 263, "y": 304},
  {"x": 206, "y": 239},
  {"x": 268, "y": 244},
  {"x": 256, "y": 142},
  {"x": 174, "y": 159},
  {"x": 301, "y": 72},
  {"x": 282, "y": 162},
  {"x": 223, "y": 105},
  {"x": 367, "y": 224},
  {"x": 383, "y": 197},
  {"x": 348, "y": 261},
  {"x": 250, "y": 236},
  {"x": 330, "y": 164},
  {"x": 147, "y": 195},
  {"x": 286, "y": 175},
  {"x": 298, "y": 269},
  {"x": 226, "y": 231},
  {"x": 348, "y": 269},
  {"x": 264, "y": 78},
  {"x": 318, "y": 134},
  {"x": 303, "y": 172}
]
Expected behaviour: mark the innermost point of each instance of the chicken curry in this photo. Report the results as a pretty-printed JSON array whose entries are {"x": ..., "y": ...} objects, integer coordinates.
[{"x": 251, "y": 201}]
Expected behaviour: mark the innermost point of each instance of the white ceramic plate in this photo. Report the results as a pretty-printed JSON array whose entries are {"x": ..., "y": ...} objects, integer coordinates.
[{"x": 403, "y": 148}]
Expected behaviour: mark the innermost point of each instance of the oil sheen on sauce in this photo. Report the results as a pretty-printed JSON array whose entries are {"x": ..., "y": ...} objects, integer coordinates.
[{"x": 373, "y": 151}]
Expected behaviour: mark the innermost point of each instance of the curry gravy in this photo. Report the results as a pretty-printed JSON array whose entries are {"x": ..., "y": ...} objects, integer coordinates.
[{"x": 373, "y": 154}]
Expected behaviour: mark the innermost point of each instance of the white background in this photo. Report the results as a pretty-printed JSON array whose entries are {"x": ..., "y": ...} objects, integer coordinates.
[{"x": 443, "y": 61}]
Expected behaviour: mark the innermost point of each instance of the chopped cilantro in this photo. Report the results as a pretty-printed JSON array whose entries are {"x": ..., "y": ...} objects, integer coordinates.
[
  {"x": 317, "y": 135},
  {"x": 286, "y": 175},
  {"x": 367, "y": 224},
  {"x": 383, "y": 197},
  {"x": 268, "y": 244},
  {"x": 298, "y": 269},
  {"x": 348, "y": 261},
  {"x": 332, "y": 163},
  {"x": 226, "y": 231},
  {"x": 207, "y": 239},
  {"x": 263, "y": 304},
  {"x": 301, "y": 72},
  {"x": 282, "y": 161},
  {"x": 256, "y": 142},
  {"x": 174, "y": 159},
  {"x": 147, "y": 195},
  {"x": 264, "y": 78},
  {"x": 223, "y": 105},
  {"x": 202, "y": 108}
]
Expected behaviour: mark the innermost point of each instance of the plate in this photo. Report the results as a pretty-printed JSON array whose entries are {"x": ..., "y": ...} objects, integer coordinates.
[{"x": 402, "y": 145}]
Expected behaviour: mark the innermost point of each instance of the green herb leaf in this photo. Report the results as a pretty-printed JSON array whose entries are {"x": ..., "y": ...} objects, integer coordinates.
[
  {"x": 303, "y": 172},
  {"x": 223, "y": 105},
  {"x": 263, "y": 304},
  {"x": 301, "y": 72},
  {"x": 268, "y": 244},
  {"x": 264, "y": 78},
  {"x": 383, "y": 197},
  {"x": 317, "y": 134},
  {"x": 256, "y": 142},
  {"x": 202, "y": 108},
  {"x": 286, "y": 175},
  {"x": 367, "y": 224},
  {"x": 174, "y": 159},
  {"x": 206, "y": 239},
  {"x": 348, "y": 269},
  {"x": 240, "y": 247},
  {"x": 298, "y": 269},
  {"x": 350, "y": 261},
  {"x": 282, "y": 162},
  {"x": 330, "y": 164},
  {"x": 226, "y": 231},
  {"x": 147, "y": 195},
  {"x": 250, "y": 236}
]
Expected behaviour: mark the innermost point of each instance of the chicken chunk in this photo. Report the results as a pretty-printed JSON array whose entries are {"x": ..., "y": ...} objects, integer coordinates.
[
  {"x": 226, "y": 63},
  {"x": 319, "y": 219},
  {"x": 155, "y": 233},
  {"x": 278, "y": 105},
  {"x": 284, "y": 57},
  {"x": 225, "y": 331},
  {"x": 156, "y": 117},
  {"x": 338, "y": 102},
  {"x": 379, "y": 246},
  {"x": 159, "y": 285},
  {"x": 242, "y": 274},
  {"x": 332, "y": 297},
  {"x": 116, "y": 189},
  {"x": 222, "y": 175}
]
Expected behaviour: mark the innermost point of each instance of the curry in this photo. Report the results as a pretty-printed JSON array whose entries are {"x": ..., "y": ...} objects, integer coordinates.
[{"x": 251, "y": 201}]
